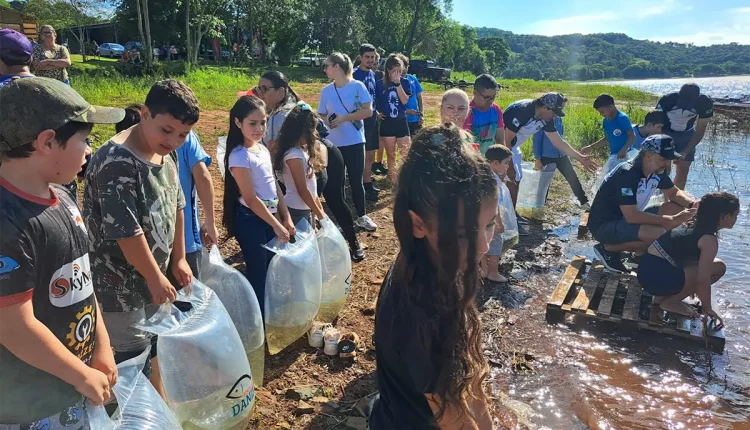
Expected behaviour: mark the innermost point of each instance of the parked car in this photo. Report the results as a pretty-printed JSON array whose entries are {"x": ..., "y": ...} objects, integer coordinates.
[
  {"x": 112, "y": 50},
  {"x": 313, "y": 60},
  {"x": 131, "y": 45}
]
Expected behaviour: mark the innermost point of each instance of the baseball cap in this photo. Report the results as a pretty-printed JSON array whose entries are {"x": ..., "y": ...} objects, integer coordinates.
[
  {"x": 14, "y": 44},
  {"x": 660, "y": 144},
  {"x": 555, "y": 102},
  {"x": 30, "y": 106}
]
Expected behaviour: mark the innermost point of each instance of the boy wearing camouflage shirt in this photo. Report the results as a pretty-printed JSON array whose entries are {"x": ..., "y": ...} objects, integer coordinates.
[{"x": 133, "y": 207}]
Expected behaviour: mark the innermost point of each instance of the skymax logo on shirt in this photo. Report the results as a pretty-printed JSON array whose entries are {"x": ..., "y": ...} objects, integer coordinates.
[
  {"x": 626, "y": 192},
  {"x": 71, "y": 283}
]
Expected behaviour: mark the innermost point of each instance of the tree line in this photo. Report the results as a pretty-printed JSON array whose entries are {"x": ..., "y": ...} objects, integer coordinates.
[
  {"x": 615, "y": 55},
  {"x": 282, "y": 30}
]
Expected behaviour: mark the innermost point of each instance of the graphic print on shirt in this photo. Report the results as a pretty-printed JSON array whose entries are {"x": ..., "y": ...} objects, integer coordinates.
[
  {"x": 646, "y": 189},
  {"x": 393, "y": 102},
  {"x": 678, "y": 119},
  {"x": 71, "y": 283},
  {"x": 75, "y": 213},
  {"x": 159, "y": 231},
  {"x": 7, "y": 264},
  {"x": 80, "y": 338}
]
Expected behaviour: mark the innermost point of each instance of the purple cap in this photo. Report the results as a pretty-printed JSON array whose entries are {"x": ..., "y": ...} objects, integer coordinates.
[{"x": 15, "y": 44}]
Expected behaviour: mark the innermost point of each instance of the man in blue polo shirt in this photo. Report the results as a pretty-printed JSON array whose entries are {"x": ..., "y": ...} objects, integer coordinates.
[
  {"x": 15, "y": 56},
  {"x": 618, "y": 131}
]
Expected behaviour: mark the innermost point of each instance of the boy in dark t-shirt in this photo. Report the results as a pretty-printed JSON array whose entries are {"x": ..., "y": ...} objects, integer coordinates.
[
  {"x": 54, "y": 348},
  {"x": 133, "y": 207}
]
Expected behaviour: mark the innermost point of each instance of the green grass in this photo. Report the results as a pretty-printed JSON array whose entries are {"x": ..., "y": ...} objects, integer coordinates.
[{"x": 216, "y": 88}]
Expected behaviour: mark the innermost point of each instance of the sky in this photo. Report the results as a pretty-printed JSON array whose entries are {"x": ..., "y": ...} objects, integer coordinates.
[{"x": 701, "y": 22}]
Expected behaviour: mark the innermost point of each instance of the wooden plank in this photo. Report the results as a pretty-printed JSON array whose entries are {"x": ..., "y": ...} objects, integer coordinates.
[
  {"x": 583, "y": 228},
  {"x": 608, "y": 297},
  {"x": 586, "y": 293},
  {"x": 571, "y": 273},
  {"x": 632, "y": 300}
]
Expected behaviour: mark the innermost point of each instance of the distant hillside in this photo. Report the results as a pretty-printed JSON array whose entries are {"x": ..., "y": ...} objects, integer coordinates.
[{"x": 615, "y": 55}]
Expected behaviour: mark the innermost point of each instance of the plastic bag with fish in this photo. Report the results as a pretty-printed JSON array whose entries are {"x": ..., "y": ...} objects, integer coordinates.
[
  {"x": 293, "y": 288},
  {"x": 139, "y": 405},
  {"x": 532, "y": 193},
  {"x": 508, "y": 215},
  {"x": 203, "y": 365},
  {"x": 336, "y": 266},
  {"x": 238, "y": 297},
  {"x": 609, "y": 166}
]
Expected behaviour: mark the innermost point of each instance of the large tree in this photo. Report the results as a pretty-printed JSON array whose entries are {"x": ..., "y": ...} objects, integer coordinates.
[{"x": 421, "y": 10}]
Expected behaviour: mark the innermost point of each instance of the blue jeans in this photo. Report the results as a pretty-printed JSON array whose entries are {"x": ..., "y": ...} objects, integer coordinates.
[{"x": 251, "y": 233}]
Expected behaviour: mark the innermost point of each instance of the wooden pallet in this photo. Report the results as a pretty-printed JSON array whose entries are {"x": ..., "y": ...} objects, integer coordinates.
[
  {"x": 583, "y": 228},
  {"x": 587, "y": 290}
]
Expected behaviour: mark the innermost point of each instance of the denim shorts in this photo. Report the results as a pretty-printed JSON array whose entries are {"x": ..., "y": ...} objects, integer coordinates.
[
  {"x": 619, "y": 231},
  {"x": 74, "y": 417},
  {"x": 681, "y": 140}
]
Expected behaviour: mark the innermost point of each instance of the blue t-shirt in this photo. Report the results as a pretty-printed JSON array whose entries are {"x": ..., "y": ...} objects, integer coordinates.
[
  {"x": 638, "y": 138},
  {"x": 367, "y": 78},
  {"x": 543, "y": 147},
  {"x": 188, "y": 155},
  {"x": 415, "y": 88},
  {"x": 389, "y": 105},
  {"x": 616, "y": 131}
]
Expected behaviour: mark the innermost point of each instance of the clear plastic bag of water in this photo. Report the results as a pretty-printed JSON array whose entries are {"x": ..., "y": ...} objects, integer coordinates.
[
  {"x": 221, "y": 150},
  {"x": 532, "y": 193},
  {"x": 238, "y": 297},
  {"x": 203, "y": 365},
  {"x": 508, "y": 215},
  {"x": 609, "y": 166},
  {"x": 139, "y": 406},
  {"x": 293, "y": 288},
  {"x": 336, "y": 266}
]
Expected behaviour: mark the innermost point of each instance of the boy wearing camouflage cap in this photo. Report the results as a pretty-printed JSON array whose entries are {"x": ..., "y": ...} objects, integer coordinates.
[{"x": 54, "y": 348}]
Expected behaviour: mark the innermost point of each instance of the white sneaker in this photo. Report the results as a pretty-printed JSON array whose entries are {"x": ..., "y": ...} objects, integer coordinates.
[
  {"x": 332, "y": 337},
  {"x": 365, "y": 223},
  {"x": 315, "y": 336}
]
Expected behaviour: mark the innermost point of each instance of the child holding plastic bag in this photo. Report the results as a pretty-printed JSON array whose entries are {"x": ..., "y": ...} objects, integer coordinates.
[
  {"x": 54, "y": 347},
  {"x": 298, "y": 156},
  {"x": 427, "y": 328},
  {"x": 254, "y": 208},
  {"x": 499, "y": 157}
]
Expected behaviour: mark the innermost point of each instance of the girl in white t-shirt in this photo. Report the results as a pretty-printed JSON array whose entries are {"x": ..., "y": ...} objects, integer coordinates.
[
  {"x": 254, "y": 209},
  {"x": 298, "y": 157}
]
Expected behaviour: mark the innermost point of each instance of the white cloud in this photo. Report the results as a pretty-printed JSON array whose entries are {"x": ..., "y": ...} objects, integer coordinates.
[
  {"x": 734, "y": 27},
  {"x": 584, "y": 24}
]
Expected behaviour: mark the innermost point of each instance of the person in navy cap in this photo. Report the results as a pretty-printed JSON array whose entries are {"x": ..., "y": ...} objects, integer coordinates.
[
  {"x": 622, "y": 217},
  {"x": 15, "y": 56}
]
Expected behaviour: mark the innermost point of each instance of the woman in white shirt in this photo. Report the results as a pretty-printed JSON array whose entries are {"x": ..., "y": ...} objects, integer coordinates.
[
  {"x": 344, "y": 105},
  {"x": 297, "y": 158}
]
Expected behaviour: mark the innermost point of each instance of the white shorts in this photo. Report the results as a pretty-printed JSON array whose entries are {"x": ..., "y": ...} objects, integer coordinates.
[{"x": 517, "y": 159}]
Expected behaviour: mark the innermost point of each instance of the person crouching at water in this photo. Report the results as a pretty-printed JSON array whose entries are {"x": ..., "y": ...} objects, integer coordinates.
[
  {"x": 297, "y": 158},
  {"x": 430, "y": 365},
  {"x": 683, "y": 261},
  {"x": 254, "y": 208}
]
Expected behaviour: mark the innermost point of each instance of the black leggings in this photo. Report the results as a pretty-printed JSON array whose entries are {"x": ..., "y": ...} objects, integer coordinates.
[
  {"x": 566, "y": 169},
  {"x": 354, "y": 159},
  {"x": 332, "y": 184}
]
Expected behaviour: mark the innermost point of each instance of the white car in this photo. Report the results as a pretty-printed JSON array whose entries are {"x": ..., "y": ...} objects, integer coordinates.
[
  {"x": 112, "y": 50},
  {"x": 312, "y": 60}
]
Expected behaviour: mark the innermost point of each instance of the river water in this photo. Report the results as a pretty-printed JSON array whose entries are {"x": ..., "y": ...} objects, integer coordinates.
[
  {"x": 726, "y": 86},
  {"x": 589, "y": 375}
]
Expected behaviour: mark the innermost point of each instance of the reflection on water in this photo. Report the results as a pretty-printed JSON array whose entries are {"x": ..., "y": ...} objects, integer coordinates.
[
  {"x": 727, "y": 86},
  {"x": 589, "y": 375}
]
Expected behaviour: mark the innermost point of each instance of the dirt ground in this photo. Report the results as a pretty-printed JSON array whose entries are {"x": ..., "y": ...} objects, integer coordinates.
[{"x": 340, "y": 384}]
